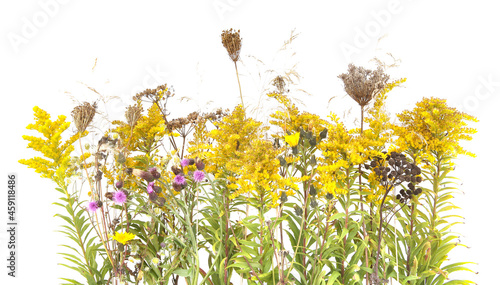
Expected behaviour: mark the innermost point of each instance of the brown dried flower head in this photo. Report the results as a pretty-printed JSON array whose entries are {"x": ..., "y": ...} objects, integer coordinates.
[
  {"x": 363, "y": 84},
  {"x": 83, "y": 115},
  {"x": 154, "y": 95},
  {"x": 133, "y": 114},
  {"x": 280, "y": 84},
  {"x": 231, "y": 40}
]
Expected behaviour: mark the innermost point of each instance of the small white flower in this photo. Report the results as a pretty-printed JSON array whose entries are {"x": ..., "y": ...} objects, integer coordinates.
[{"x": 155, "y": 261}]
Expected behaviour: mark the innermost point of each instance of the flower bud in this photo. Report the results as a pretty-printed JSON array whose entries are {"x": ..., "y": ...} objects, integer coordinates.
[
  {"x": 119, "y": 184},
  {"x": 109, "y": 195},
  {"x": 176, "y": 170},
  {"x": 329, "y": 196},
  {"x": 312, "y": 191},
  {"x": 200, "y": 165},
  {"x": 153, "y": 196},
  {"x": 160, "y": 201},
  {"x": 283, "y": 197},
  {"x": 146, "y": 175},
  {"x": 298, "y": 210}
]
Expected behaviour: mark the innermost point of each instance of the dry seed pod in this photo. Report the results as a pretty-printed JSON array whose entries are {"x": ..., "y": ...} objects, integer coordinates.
[
  {"x": 231, "y": 40},
  {"x": 83, "y": 115}
]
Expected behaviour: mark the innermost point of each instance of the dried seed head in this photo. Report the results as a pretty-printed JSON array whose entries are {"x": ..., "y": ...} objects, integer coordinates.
[
  {"x": 280, "y": 84},
  {"x": 231, "y": 40},
  {"x": 133, "y": 114},
  {"x": 363, "y": 84},
  {"x": 83, "y": 115}
]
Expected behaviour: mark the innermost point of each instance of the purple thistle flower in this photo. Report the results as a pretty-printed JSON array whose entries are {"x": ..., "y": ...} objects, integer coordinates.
[
  {"x": 198, "y": 176},
  {"x": 92, "y": 206},
  {"x": 185, "y": 162},
  {"x": 151, "y": 186},
  {"x": 180, "y": 180},
  {"x": 120, "y": 197}
]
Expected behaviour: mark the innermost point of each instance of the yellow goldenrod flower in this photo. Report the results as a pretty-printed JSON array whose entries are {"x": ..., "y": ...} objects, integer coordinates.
[
  {"x": 293, "y": 139},
  {"x": 123, "y": 237}
]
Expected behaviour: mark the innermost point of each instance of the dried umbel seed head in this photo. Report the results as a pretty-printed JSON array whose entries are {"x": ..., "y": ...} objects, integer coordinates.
[
  {"x": 83, "y": 115},
  {"x": 363, "y": 84},
  {"x": 280, "y": 84},
  {"x": 133, "y": 114},
  {"x": 231, "y": 40},
  {"x": 152, "y": 95}
]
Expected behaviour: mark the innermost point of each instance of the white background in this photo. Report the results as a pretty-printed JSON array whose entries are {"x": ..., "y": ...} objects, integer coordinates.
[{"x": 448, "y": 49}]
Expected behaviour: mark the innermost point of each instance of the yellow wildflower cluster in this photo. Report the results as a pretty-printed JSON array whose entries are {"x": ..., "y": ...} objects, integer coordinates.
[
  {"x": 290, "y": 120},
  {"x": 199, "y": 146},
  {"x": 433, "y": 129},
  {"x": 241, "y": 154},
  {"x": 379, "y": 131},
  {"x": 341, "y": 151},
  {"x": 146, "y": 133},
  {"x": 123, "y": 237},
  {"x": 56, "y": 164}
]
